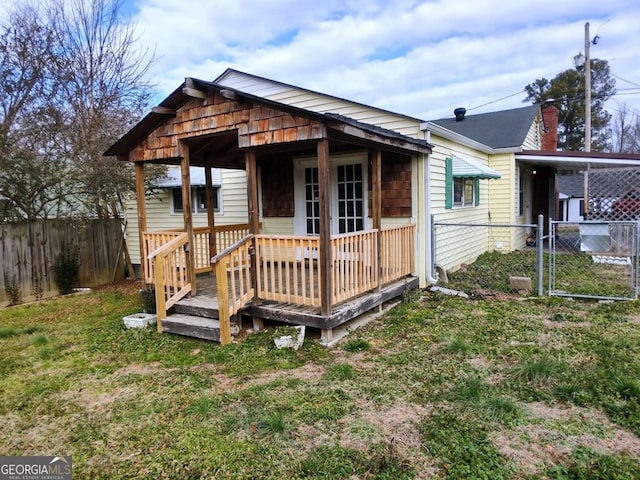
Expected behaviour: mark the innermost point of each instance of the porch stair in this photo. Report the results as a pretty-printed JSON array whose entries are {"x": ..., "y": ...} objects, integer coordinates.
[{"x": 196, "y": 317}]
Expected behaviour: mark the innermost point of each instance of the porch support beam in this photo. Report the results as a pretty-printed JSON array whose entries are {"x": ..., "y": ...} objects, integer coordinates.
[
  {"x": 252, "y": 191},
  {"x": 254, "y": 221},
  {"x": 211, "y": 222},
  {"x": 324, "y": 260},
  {"x": 187, "y": 215},
  {"x": 142, "y": 214},
  {"x": 376, "y": 208}
]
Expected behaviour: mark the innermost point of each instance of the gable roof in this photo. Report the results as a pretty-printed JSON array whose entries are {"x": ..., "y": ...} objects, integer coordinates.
[
  {"x": 571, "y": 185},
  {"x": 502, "y": 129},
  {"x": 182, "y": 94}
]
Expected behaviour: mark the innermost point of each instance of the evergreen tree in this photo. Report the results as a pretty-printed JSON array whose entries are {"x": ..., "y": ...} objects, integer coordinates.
[{"x": 567, "y": 91}]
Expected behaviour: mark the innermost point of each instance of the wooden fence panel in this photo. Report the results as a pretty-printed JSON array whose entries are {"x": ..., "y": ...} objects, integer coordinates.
[{"x": 28, "y": 251}]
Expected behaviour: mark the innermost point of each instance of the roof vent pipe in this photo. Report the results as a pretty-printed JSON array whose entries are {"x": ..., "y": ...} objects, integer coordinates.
[{"x": 459, "y": 113}]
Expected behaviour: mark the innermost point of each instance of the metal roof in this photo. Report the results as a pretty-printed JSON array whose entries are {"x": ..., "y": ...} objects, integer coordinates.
[
  {"x": 173, "y": 177},
  {"x": 467, "y": 167}
]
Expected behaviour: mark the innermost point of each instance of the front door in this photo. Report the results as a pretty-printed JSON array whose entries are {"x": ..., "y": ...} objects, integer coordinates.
[
  {"x": 350, "y": 198},
  {"x": 347, "y": 192}
]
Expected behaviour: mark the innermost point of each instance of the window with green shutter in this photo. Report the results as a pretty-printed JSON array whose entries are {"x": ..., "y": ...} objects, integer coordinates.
[{"x": 460, "y": 191}]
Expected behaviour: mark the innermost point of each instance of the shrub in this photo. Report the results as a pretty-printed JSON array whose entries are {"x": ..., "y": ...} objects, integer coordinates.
[
  {"x": 13, "y": 291},
  {"x": 148, "y": 298},
  {"x": 66, "y": 268}
]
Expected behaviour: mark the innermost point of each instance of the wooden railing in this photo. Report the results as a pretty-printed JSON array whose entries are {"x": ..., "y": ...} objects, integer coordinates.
[
  {"x": 152, "y": 242},
  {"x": 397, "y": 252},
  {"x": 233, "y": 280},
  {"x": 169, "y": 264},
  {"x": 226, "y": 235},
  {"x": 355, "y": 264},
  {"x": 287, "y": 269}
]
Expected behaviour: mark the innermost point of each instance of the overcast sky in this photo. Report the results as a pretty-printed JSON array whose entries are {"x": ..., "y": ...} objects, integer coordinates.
[{"x": 420, "y": 58}]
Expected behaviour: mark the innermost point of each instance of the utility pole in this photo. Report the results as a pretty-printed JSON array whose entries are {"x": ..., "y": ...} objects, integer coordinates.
[{"x": 587, "y": 90}]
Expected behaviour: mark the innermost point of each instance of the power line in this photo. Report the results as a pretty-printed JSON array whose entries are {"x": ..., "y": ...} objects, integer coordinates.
[
  {"x": 625, "y": 80},
  {"x": 496, "y": 101}
]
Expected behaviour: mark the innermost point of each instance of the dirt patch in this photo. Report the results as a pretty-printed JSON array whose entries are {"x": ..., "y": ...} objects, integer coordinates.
[
  {"x": 141, "y": 369},
  {"x": 480, "y": 363},
  {"x": 530, "y": 447},
  {"x": 308, "y": 372},
  {"x": 124, "y": 286},
  {"x": 564, "y": 324}
]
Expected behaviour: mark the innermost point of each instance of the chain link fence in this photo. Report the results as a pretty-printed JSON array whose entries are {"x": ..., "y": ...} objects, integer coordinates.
[
  {"x": 594, "y": 259},
  {"x": 473, "y": 255},
  {"x": 613, "y": 194}
]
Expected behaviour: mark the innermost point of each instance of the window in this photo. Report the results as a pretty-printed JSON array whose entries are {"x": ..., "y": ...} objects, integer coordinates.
[
  {"x": 198, "y": 199},
  {"x": 463, "y": 192},
  {"x": 520, "y": 191}
]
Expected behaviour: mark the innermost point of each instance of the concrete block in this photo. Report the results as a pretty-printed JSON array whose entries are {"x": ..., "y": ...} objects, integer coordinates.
[{"x": 521, "y": 284}]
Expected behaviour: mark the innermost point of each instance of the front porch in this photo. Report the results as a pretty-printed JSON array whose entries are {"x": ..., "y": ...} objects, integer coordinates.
[
  {"x": 340, "y": 198},
  {"x": 275, "y": 278}
]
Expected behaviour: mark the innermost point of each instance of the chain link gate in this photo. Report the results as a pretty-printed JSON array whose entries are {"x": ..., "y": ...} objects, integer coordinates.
[{"x": 594, "y": 259}]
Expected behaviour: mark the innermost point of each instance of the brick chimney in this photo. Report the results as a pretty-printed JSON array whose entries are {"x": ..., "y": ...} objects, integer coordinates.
[{"x": 550, "y": 134}]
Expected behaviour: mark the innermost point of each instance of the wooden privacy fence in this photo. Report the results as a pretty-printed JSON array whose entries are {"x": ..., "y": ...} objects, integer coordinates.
[{"x": 28, "y": 251}]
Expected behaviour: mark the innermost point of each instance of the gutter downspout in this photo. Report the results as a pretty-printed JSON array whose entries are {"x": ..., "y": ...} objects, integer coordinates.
[{"x": 430, "y": 277}]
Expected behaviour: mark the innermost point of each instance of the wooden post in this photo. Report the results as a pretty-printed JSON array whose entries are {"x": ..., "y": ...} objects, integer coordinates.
[
  {"x": 223, "y": 301},
  {"x": 161, "y": 304},
  {"x": 187, "y": 215},
  {"x": 376, "y": 208},
  {"x": 324, "y": 249},
  {"x": 254, "y": 221},
  {"x": 142, "y": 215},
  {"x": 252, "y": 191},
  {"x": 210, "y": 214}
]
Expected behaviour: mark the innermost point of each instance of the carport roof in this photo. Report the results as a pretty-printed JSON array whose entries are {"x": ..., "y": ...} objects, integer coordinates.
[{"x": 578, "y": 161}]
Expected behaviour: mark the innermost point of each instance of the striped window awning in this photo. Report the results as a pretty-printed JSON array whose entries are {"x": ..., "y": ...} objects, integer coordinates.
[{"x": 466, "y": 167}]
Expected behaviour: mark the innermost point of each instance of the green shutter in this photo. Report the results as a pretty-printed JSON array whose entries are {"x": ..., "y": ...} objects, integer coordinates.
[
  {"x": 448, "y": 183},
  {"x": 476, "y": 193}
]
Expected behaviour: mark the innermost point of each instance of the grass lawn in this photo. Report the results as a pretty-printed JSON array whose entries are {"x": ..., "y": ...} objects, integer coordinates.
[{"x": 439, "y": 387}]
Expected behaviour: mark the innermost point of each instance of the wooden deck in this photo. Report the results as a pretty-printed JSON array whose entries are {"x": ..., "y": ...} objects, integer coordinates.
[{"x": 205, "y": 303}]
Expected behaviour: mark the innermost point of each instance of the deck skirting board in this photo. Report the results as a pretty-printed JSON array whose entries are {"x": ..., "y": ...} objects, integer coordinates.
[{"x": 340, "y": 314}]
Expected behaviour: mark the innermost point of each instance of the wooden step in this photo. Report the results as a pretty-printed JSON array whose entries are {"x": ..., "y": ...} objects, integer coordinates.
[
  {"x": 199, "y": 306},
  {"x": 195, "y": 326}
]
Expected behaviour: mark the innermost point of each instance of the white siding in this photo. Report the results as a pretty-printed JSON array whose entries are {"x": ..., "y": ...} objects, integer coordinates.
[
  {"x": 458, "y": 245},
  {"x": 319, "y": 103},
  {"x": 533, "y": 140}
]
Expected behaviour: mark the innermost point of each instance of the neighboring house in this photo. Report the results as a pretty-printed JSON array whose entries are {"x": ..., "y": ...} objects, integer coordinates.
[
  {"x": 571, "y": 196},
  {"x": 164, "y": 204}
]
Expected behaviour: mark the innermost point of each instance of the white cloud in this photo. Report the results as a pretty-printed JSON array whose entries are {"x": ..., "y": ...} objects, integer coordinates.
[{"x": 417, "y": 58}]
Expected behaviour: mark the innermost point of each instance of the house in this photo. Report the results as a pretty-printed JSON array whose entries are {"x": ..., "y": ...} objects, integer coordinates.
[
  {"x": 341, "y": 197},
  {"x": 571, "y": 191},
  {"x": 341, "y": 241}
]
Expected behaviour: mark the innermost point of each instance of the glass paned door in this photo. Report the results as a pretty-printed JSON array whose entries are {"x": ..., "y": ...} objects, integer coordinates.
[
  {"x": 312, "y": 202},
  {"x": 350, "y": 198}
]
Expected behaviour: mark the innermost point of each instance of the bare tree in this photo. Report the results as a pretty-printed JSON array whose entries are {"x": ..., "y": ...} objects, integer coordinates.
[
  {"x": 625, "y": 131},
  {"x": 105, "y": 89},
  {"x": 30, "y": 164},
  {"x": 72, "y": 80}
]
